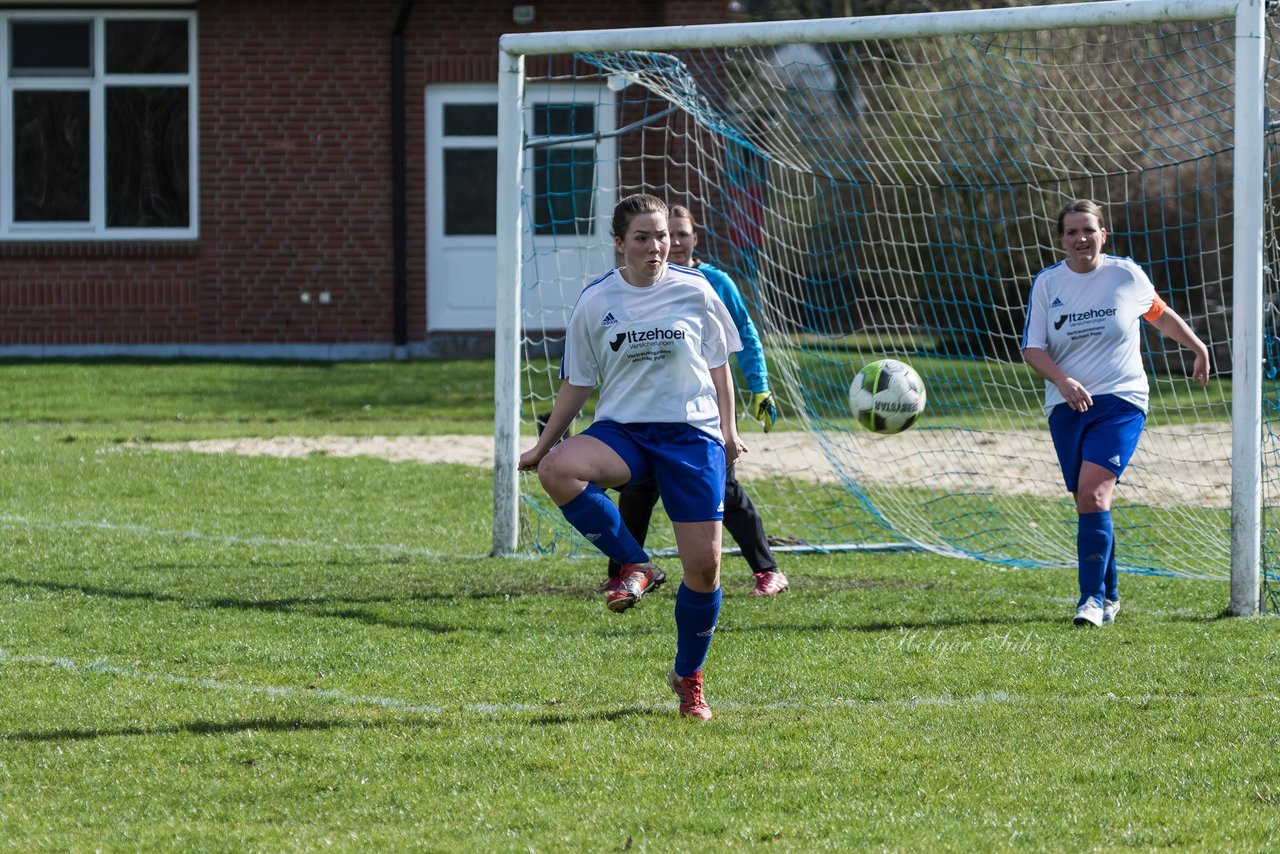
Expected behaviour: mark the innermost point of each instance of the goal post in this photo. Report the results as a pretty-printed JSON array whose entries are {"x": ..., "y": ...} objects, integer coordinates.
[
  {"x": 903, "y": 171},
  {"x": 507, "y": 326},
  {"x": 1246, "y": 408}
]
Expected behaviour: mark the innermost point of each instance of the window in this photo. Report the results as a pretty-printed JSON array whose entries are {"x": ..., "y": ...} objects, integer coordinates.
[
  {"x": 569, "y": 176},
  {"x": 564, "y": 173},
  {"x": 470, "y": 168},
  {"x": 97, "y": 126},
  {"x": 562, "y": 161}
]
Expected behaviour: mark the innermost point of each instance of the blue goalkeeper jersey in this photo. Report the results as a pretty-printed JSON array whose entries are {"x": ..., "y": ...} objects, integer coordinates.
[{"x": 751, "y": 357}]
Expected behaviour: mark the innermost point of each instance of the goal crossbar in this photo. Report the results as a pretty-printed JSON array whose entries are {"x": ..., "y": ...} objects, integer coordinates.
[{"x": 758, "y": 33}]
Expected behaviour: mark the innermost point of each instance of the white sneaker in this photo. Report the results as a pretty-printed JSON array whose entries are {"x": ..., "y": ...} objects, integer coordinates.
[
  {"x": 1089, "y": 614},
  {"x": 1110, "y": 607}
]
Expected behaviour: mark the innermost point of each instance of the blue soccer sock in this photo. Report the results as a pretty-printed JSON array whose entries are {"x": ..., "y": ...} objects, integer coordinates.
[
  {"x": 696, "y": 615},
  {"x": 1094, "y": 539},
  {"x": 1110, "y": 581},
  {"x": 596, "y": 517}
]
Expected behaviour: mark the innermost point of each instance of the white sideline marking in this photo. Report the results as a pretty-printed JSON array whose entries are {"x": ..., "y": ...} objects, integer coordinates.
[
  {"x": 10, "y": 521},
  {"x": 995, "y": 697},
  {"x": 101, "y": 666}
]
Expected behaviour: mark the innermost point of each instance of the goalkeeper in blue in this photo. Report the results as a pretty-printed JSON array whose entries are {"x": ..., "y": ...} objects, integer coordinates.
[
  {"x": 741, "y": 518},
  {"x": 656, "y": 339},
  {"x": 1082, "y": 335}
]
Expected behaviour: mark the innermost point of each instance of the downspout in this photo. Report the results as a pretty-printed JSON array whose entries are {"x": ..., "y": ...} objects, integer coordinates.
[{"x": 400, "y": 231}]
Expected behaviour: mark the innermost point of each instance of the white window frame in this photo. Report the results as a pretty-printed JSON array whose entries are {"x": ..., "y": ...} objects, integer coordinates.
[
  {"x": 603, "y": 102},
  {"x": 95, "y": 229},
  {"x": 592, "y": 251}
]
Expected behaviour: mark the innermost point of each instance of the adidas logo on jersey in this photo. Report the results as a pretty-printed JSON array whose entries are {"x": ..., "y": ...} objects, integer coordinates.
[
  {"x": 608, "y": 319},
  {"x": 1057, "y": 303},
  {"x": 1115, "y": 460}
]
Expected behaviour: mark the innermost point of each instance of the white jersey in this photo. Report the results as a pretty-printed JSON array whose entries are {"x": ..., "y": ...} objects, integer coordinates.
[
  {"x": 651, "y": 348},
  {"x": 1088, "y": 324}
]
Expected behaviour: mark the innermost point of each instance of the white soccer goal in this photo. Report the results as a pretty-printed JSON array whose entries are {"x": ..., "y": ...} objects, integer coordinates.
[{"x": 887, "y": 186}]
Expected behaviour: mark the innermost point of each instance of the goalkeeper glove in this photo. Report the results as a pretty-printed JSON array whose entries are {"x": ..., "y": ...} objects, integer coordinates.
[{"x": 763, "y": 409}]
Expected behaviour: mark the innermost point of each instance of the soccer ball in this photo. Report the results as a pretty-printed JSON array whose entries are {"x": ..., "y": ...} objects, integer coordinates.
[{"x": 887, "y": 396}]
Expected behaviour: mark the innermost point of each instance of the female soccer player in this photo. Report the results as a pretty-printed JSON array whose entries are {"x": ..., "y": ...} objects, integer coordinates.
[
  {"x": 1082, "y": 336},
  {"x": 741, "y": 518},
  {"x": 657, "y": 339}
]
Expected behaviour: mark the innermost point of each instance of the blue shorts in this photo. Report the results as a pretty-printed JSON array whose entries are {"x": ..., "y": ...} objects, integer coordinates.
[
  {"x": 1105, "y": 434},
  {"x": 687, "y": 464}
]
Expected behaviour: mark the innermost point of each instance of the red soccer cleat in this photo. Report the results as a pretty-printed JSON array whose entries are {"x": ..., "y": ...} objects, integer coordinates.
[
  {"x": 689, "y": 690},
  {"x": 769, "y": 584},
  {"x": 637, "y": 580}
]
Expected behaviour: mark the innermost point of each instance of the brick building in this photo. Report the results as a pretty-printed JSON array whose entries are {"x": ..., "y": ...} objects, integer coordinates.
[{"x": 246, "y": 178}]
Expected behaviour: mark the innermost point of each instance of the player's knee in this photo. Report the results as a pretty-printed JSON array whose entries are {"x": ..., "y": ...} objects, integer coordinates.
[
  {"x": 1094, "y": 500},
  {"x": 702, "y": 575},
  {"x": 1095, "y": 488},
  {"x": 554, "y": 471},
  {"x": 701, "y": 564}
]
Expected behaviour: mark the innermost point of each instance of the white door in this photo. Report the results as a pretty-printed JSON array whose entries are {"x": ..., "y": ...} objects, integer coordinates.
[{"x": 570, "y": 190}]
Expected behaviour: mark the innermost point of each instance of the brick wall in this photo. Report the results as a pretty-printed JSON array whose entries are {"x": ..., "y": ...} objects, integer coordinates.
[
  {"x": 295, "y": 171},
  {"x": 295, "y": 188}
]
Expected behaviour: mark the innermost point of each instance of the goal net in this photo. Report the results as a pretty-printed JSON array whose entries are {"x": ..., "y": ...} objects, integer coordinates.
[{"x": 888, "y": 187}]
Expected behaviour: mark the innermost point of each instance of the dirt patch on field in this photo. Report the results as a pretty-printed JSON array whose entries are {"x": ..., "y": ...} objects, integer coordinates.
[
  {"x": 1173, "y": 466},
  {"x": 464, "y": 450}
]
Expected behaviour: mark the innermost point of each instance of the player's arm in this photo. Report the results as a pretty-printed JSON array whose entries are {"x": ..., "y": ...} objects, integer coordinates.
[
  {"x": 1076, "y": 395},
  {"x": 569, "y": 402},
  {"x": 722, "y": 379},
  {"x": 1173, "y": 326},
  {"x": 756, "y": 371},
  {"x": 1034, "y": 341},
  {"x": 750, "y": 358}
]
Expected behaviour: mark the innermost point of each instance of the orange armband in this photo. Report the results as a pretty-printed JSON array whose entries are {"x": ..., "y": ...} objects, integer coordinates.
[{"x": 1157, "y": 308}]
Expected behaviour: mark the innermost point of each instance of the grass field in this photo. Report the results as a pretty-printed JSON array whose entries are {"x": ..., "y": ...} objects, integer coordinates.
[{"x": 230, "y": 653}]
